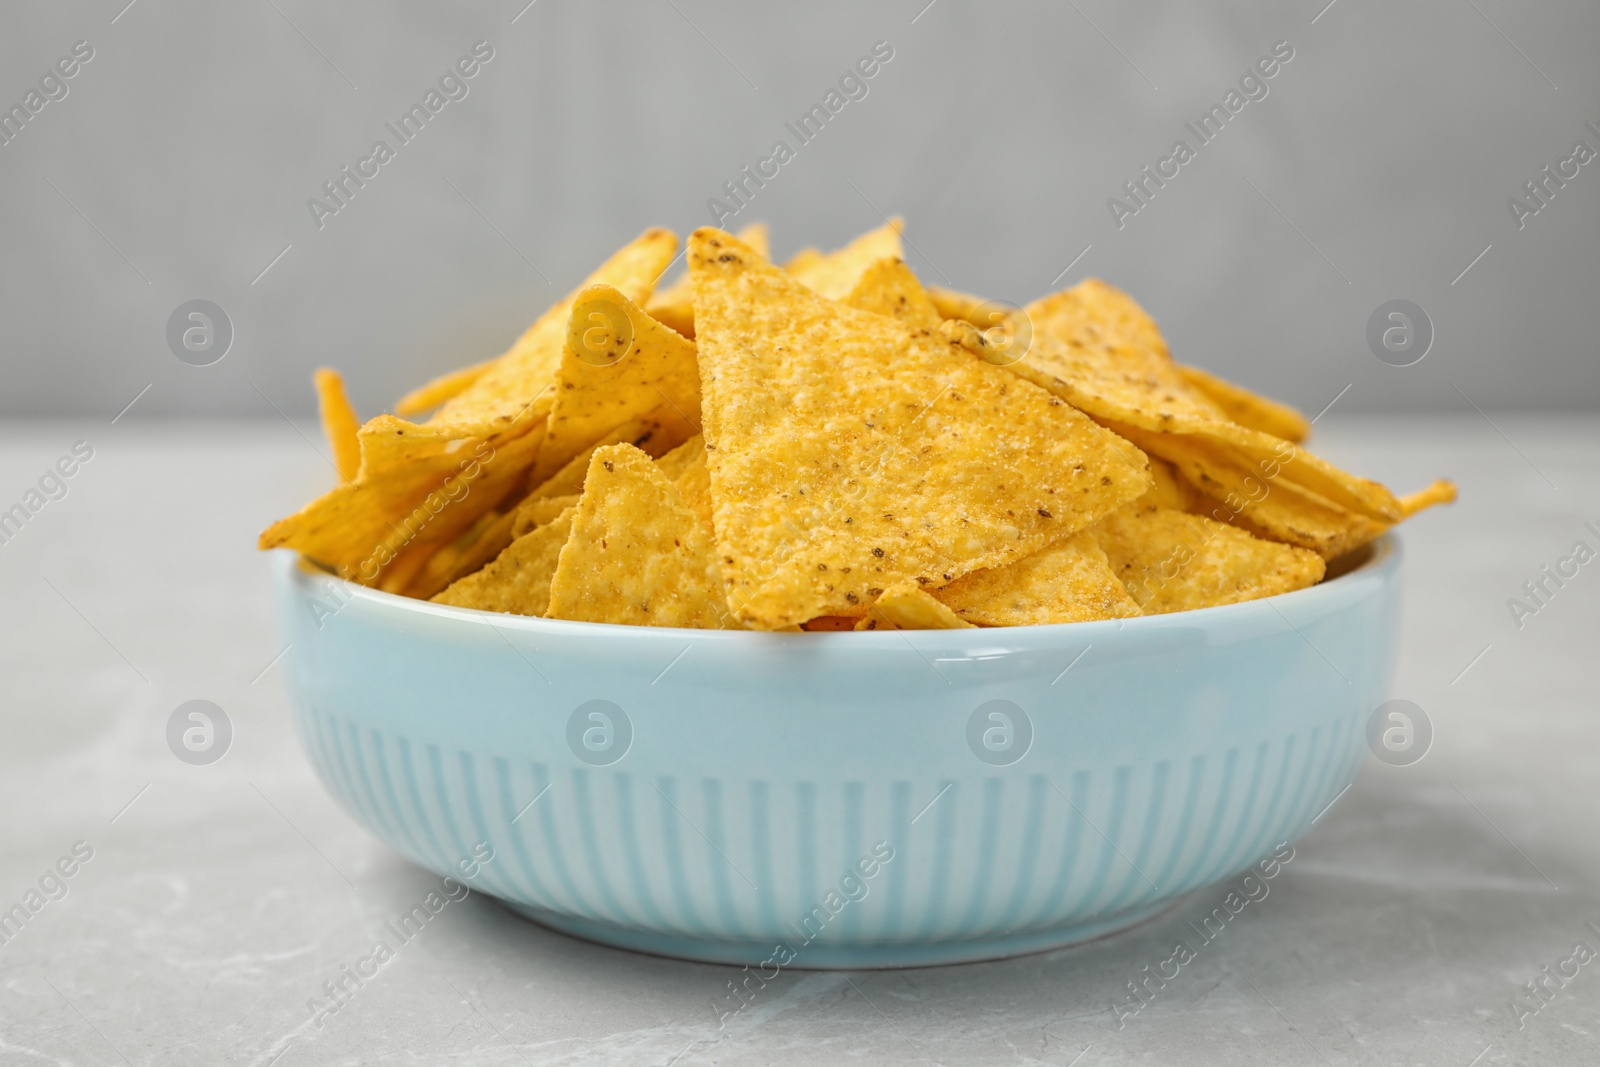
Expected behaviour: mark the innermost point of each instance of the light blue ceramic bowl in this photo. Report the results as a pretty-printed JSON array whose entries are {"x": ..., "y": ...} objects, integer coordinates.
[{"x": 838, "y": 799}]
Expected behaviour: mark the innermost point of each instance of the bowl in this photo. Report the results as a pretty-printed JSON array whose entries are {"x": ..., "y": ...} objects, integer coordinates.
[{"x": 838, "y": 800}]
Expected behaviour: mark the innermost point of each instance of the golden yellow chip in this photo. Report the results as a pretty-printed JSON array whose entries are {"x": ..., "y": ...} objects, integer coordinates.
[
  {"x": 1247, "y": 408},
  {"x": 657, "y": 433},
  {"x": 847, "y": 453},
  {"x": 525, "y": 375},
  {"x": 953, "y": 304},
  {"x": 360, "y": 527},
  {"x": 830, "y": 623},
  {"x": 1170, "y": 561},
  {"x": 482, "y": 542},
  {"x": 339, "y": 422},
  {"x": 445, "y": 387},
  {"x": 1173, "y": 491},
  {"x": 638, "y": 553},
  {"x": 538, "y": 511},
  {"x": 1067, "y": 582},
  {"x": 905, "y": 606},
  {"x": 1440, "y": 492},
  {"x": 618, "y": 364},
  {"x": 674, "y": 305},
  {"x": 834, "y": 274},
  {"x": 889, "y": 288},
  {"x": 1095, "y": 347},
  {"x": 518, "y": 579},
  {"x": 680, "y": 459}
]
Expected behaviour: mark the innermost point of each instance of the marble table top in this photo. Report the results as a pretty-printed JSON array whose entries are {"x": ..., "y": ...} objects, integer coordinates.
[{"x": 186, "y": 914}]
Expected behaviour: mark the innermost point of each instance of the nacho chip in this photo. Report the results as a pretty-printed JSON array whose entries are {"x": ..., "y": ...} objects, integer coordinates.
[
  {"x": 953, "y": 304},
  {"x": 830, "y": 624},
  {"x": 638, "y": 553},
  {"x": 534, "y": 512},
  {"x": 1067, "y": 582},
  {"x": 360, "y": 527},
  {"x": 674, "y": 305},
  {"x": 1170, "y": 561},
  {"x": 339, "y": 422},
  {"x": 680, "y": 459},
  {"x": 695, "y": 485},
  {"x": 482, "y": 542},
  {"x": 1095, "y": 347},
  {"x": 1246, "y": 408},
  {"x": 905, "y": 606},
  {"x": 847, "y": 453},
  {"x": 518, "y": 579},
  {"x": 1440, "y": 492},
  {"x": 1172, "y": 491},
  {"x": 618, "y": 364},
  {"x": 834, "y": 274},
  {"x": 657, "y": 433},
  {"x": 889, "y": 288},
  {"x": 444, "y": 387},
  {"x": 526, "y": 373}
]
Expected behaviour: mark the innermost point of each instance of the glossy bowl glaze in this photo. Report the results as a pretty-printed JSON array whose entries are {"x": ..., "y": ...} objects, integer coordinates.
[{"x": 838, "y": 799}]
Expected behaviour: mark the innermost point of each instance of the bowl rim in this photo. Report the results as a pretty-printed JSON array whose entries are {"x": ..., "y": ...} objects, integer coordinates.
[{"x": 1384, "y": 556}]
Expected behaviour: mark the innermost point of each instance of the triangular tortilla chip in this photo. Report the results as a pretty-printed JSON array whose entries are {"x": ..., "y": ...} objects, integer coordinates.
[
  {"x": 1247, "y": 408},
  {"x": 361, "y": 527},
  {"x": 904, "y": 606},
  {"x": 524, "y": 373},
  {"x": 953, "y": 304},
  {"x": 680, "y": 459},
  {"x": 1067, "y": 582},
  {"x": 638, "y": 553},
  {"x": 445, "y": 387},
  {"x": 1171, "y": 561},
  {"x": 534, "y": 512},
  {"x": 847, "y": 452},
  {"x": 834, "y": 274},
  {"x": 482, "y": 542},
  {"x": 1094, "y": 347},
  {"x": 518, "y": 579},
  {"x": 655, "y": 434},
  {"x": 617, "y": 364},
  {"x": 674, "y": 305},
  {"x": 889, "y": 288},
  {"x": 339, "y": 422}
]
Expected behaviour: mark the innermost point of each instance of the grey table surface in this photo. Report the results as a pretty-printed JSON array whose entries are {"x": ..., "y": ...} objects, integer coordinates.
[{"x": 218, "y": 899}]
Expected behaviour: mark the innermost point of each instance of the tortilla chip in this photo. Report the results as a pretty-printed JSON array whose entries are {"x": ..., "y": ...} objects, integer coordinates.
[
  {"x": 1440, "y": 492},
  {"x": 847, "y": 453},
  {"x": 339, "y": 422},
  {"x": 953, "y": 304},
  {"x": 657, "y": 433},
  {"x": 674, "y": 305},
  {"x": 1067, "y": 582},
  {"x": 1095, "y": 347},
  {"x": 638, "y": 553},
  {"x": 534, "y": 512},
  {"x": 1246, "y": 408},
  {"x": 360, "y": 527},
  {"x": 830, "y": 623},
  {"x": 833, "y": 275},
  {"x": 1172, "y": 491},
  {"x": 889, "y": 288},
  {"x": 518, "y": 579},
  {"x": 904, "y": 606},
  {"x": 680, "y": 459},
  {"x": 618, "y": 364},
  {"x": 444, "y": 387},
  {"x": 525, "y": 375},
  {"x": 482, "y": 542},
  {"x": 1171, "y": 561}
]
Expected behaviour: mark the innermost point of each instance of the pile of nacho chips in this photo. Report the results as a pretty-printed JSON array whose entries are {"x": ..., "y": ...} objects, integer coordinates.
[{"x": 830, "y": 445}]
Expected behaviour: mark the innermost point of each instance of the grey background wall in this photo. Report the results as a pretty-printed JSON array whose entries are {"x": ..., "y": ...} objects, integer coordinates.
[{"x": 1378, "y": 166}]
